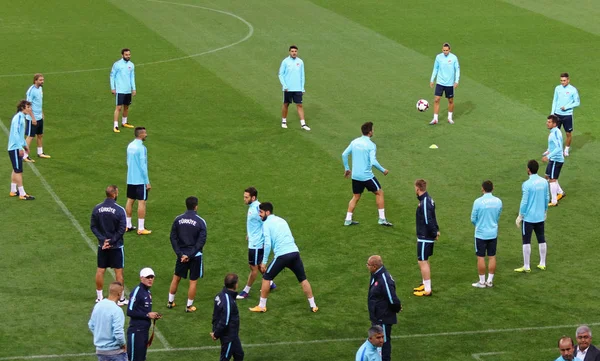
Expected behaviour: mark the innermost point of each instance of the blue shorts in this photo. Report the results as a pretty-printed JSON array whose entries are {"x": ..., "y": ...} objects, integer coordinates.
[
  {"x": 111, "y": 258},
  {"x": 527, "y": 230},
  {"x": 553, "y": 169},
  {"x": 137, "y": 191},
  {"x": 16, "y": 160},
  {"x": 195, "y": 267},
  {"x": 123, "y": 99},
  {"x": 255, "y": 256},
  {"x": 485, "y": 246},
  {"x": 295, "y": 97},
  {"x": 33, "y": 130},
  {"x": 424, "y": 249},
  {"x": 441, "y": 89},
  {"x": 566, "y": 121},
  {"x": 372, "y": 185},
  {"x": 289, "y": 260}
]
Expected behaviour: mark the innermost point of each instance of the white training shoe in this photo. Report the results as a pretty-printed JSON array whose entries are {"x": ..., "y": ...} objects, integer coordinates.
[
  {"x": 305, "y": 127},
  {"x": 478, "y": 285},
  {"x": 284, "y": 125},
  {"x": 433, "y": 122},
  {"x": 450, "y": 121},
  {"x": 123, "y": 302},
  {"x": 566, "y": 152},
  {"x": 489, "y": 284}
]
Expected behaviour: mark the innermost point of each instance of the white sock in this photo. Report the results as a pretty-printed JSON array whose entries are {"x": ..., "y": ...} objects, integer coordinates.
[
  {"x": 40, "y": 150},
  {"x": 128, "y": 219},
  {"x": 283, "y": 120},
  {"x": 553, "y": 192},
  {"x": 247, "y": 289},
  {"x": 311, "y": 302},
  {"x": 140, "y": 224},
  {"x": 381, "y": 213},
  {"x": 270, "y": 283},
  {"x": 348, "y": 216},
  {"x": 481, "y": 278},
  {"x": 490, "y": 277},
  {"x": 99, "y": 294},
  {"x": 567, "y": 148},
  {"x": 13, "y": 187},
  {"x": 262, "y": 303},
  {"x": 124, "y": 120},
  {"x": 302, "y": 122},
  {"x": 190, "y": 302},
  {"x": 22, "y": 191},
  {"x": 526, "y": 255},
  {"x": 560, "y": 190},
  {"x": 435, "y": 117},
  {"x": 116, "y": 124},
  {"x": 171, "y": 297},
  {"x": 543, "y": 249},
  {"x": 25, "y": 155},
  {"x": 427, "y": 284},
  {"x": 450, "y": 115},
  {"x": 122, "y": 295}
]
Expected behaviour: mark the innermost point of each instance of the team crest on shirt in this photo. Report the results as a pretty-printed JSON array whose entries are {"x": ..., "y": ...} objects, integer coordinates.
[
  {"x": 218, "y": 300},
  {"x": 449, "y": 61},
  {"x": 376, "y": 283},
  {"x": 297, "y": 64}
]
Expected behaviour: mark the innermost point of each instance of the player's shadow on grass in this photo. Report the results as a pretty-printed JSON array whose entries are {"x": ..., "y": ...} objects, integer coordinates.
[
  {"x": 580, "y": 140},
  {"x": 464, "y": 108}
]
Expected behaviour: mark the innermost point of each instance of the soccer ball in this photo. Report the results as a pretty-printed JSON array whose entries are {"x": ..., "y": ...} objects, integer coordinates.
[{"x": 422, "y": 105}]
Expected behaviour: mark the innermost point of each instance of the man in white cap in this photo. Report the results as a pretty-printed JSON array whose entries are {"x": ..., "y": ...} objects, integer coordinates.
[{"x": 141, "y": 316}]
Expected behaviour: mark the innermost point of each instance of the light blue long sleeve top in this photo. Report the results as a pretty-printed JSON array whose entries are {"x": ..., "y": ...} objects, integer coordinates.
[
  {"x": 485, "y": 215},
  {"x": 447, "y": 69},
  {"x": 291, "y": 74},
  {"x": 16, "y": 137},
  {"x": 137, "y": 163},
  {"x": 567, "y": 97},
  {"x": 364, "y": 158},
  {"x": 368, "y": 352},
  {"x": 107, "y": 324},
  {"x": 254, "y": 226},
  {"x": 36, "y": 97},
  {"x": 278, "y": 237},
  {"x": 534, "y": 202},
  {"x": 122, "y": 77},
  {"x": 555, "y": 145}
]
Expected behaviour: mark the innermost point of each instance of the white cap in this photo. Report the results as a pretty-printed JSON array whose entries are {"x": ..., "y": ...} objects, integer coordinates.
[{"x": 145, "y": 272}]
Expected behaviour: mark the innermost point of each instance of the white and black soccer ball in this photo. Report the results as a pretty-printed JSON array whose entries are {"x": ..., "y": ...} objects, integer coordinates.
[{"x": 422, "y": 105}]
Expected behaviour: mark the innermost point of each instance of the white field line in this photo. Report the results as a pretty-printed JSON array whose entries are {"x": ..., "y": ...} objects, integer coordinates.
[
  {"x": 93, "y": 245},
  {"x": 477, "y": 356},
  {"x": 248, "y": 36}
]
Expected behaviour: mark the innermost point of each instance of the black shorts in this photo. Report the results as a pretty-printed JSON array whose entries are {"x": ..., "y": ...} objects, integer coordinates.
[
  {"x": 424, "y": 250},
  {"x": 111, "y": 258},
  {"x": 33, "y": 130},
  {"x": 441, "y": 89},
  {"x": 255, "y": 256},
  {"x": 485, "y": 246},
  {"x": 194, "y": 267},
  {"x": 566, "y": 121},
  {"x": 289, "y": 260},
  {"x": 295, "y": 97},
  {"x": 123, "y": 99},
  {"x": 137, "y": 191},
  {"x": 372, "y": 185},
  {"x": 553, "y": 169},
  {"x": 16, "y": 160},
  {"x": 527, "y": 230}
]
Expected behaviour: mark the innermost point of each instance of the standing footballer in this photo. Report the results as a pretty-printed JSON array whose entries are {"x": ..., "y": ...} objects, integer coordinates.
[
  {"x": 447, "y": 71},
  {"x": 566, "y": 97},
  {"x": 35, "y": 95},
  {"x": 122, "y": 86},
  {"x": 291, "y": 77}
]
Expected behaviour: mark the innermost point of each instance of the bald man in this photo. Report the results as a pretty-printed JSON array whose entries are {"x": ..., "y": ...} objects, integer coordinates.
[
  {"x": 383, "y": 302},
  {"x": 567, "y": 349},
  {"x": 107, "y": 324}
]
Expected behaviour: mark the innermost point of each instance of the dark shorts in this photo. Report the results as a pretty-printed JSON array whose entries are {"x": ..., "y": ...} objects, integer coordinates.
[
  {"x": 255, "y": 256},
  {"x": 123, "y": 99},
  {"x": 111, "y": 258},
  {"x": 485, "y": 246},
  {"x": 137, "y": 191},
  {"x": 16, "y": 160},
  {"x": 448, "y": 90},
  {"x": 424, "y": 250},
  {"x": 195, "y": 267},
  {"x": 137, "y": 344},
  {"x": 553, "y": 169},
  {"x": 527, "y": 230},
  {"x": 33, "y": 130},
  {"x": 372, "y": 185},
  {"x": 289, "y": 260},
  {"x": 566, "y": 121},
  {"x": 295, "y": 97},
  {"x": 232, "y": 348}
]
